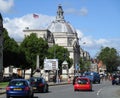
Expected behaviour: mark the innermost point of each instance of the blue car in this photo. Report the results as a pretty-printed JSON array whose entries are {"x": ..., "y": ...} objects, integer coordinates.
[
  {"x": 39, "y": 84},
  {"x": 93, "y": 76},
  {"x": 19, "y": 88}
]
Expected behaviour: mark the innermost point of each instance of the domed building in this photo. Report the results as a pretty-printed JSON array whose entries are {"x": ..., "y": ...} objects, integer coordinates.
[
  {"x": 61, "y": 33},
  {"x": 65, "y": 35}
]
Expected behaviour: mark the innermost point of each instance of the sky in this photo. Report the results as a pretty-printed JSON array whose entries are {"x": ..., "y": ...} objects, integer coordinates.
[{"x": 97, "y": 22}]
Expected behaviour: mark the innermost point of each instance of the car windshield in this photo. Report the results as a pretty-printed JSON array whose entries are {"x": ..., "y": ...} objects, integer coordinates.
[
  {"x": 82, "y": 81},
  {"x": 36, "y": 80},
  {"x": 18, "y": 83},
  {"x": 88, "y": 74}
]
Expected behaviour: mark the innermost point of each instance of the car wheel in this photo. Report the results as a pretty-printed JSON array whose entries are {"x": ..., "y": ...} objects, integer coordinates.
[
  {"x": 7, "y": 96},
  {"x": 91, "y": 89},
  {"x": 99, "y": 81},
  {"x": 75, "y": 90},
  {"x": 47, "y": 90},
  {"x": 29, "y": 96},
  {"x": 32, "y": 95},
  {"x": 44, "y": 89},
  {"x": 112, "y": 83}
]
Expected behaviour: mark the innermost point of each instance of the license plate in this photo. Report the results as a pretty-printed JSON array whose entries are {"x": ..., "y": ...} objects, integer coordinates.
[
  {"x": 81, "y": 84},
  {"x": 34, "y": 88},
  {"x": 17, "y": 89}
]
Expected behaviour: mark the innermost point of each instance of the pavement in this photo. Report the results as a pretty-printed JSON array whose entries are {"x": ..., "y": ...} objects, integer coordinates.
[{"x": 2, "y": 90}]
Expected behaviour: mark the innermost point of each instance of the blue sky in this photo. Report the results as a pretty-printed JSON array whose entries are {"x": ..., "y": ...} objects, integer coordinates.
[{"x": 96, "y": 21}]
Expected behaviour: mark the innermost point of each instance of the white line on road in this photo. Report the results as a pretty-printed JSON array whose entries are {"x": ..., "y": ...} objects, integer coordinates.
[{"x": 99, "y": 91}]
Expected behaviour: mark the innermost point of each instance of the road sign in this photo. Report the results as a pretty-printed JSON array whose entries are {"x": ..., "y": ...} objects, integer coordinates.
[{"x": 51, "y": 64}]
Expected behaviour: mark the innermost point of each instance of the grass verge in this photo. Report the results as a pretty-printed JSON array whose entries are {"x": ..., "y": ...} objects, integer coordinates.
[{"x": 3, "y": 84}]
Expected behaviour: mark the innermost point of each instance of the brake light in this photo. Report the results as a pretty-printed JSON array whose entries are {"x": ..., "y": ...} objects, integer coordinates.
[
  {"x": 113, "y": 78},
  {"x": 87, "y": 82},
  {"x": 41, "y": 84},
  {"x": 76, "y": 82},
  {"x": 33, "y": 83},
  {"x": 27, "y": 88},
  {"x": 8, "y": 88}
]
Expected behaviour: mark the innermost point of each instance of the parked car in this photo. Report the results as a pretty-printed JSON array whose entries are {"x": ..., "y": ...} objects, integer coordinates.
[
  {"x": 116, "y": 79},
  {"x": 19, "y": 88},
  {"x": 93, "y": 76},
  {"x": 82, "y": 83},
  {"x": 39, "y": 84}
]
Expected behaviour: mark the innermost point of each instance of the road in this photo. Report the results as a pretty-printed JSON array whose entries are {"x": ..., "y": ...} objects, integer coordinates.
[{"x": 103, "y": 90}]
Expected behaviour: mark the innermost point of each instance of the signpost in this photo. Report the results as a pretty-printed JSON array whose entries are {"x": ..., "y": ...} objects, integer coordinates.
[{"x": 51, "y": 64}]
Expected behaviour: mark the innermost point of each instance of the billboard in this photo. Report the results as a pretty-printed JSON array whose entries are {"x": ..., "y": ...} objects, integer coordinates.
[{"x": 50, "y": 64}]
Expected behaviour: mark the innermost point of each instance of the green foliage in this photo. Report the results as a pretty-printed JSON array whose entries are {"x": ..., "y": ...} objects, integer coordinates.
[
  {"x": 59, "y": 53},
  {"x": 33, "y": 46},
  {"x": 84, "y": 65},
  {"x": 109, "y": 57},
  {"x": 3, "y": 84},
  {"x": 10, "y": 50}
]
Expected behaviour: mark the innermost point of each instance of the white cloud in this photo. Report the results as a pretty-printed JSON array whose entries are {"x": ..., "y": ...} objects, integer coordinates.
[
  {"x": 6, "y": 5},
  {"x": 93, "y": 46},
  {"x": 82, "y": 11},
  {"x": 16, "y": 26},
  {"x": 80, "y": 33}
]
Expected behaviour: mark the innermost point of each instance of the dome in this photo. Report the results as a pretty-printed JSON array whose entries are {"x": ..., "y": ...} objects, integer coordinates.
[{"x": 60, "y": 25}]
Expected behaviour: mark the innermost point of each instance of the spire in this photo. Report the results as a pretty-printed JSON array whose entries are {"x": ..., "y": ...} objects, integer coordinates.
[{"x": 60, "y": 12}]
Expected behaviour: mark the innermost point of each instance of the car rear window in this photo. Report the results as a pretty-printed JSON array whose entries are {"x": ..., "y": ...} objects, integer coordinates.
[
  {"x": 18, "y": 83},
  {"x": 82, "y": 81},
  {"x": 36, "y": 80}
]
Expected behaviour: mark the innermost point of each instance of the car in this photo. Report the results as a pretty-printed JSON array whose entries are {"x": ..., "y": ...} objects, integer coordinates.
[
  {"x": 93, "y": 76},
  {"x": 19, "y": 88},
  {"x": 39, "y": 84},
  {"x": 82, "y": 83},
  {"x": 116, "y": 79}
]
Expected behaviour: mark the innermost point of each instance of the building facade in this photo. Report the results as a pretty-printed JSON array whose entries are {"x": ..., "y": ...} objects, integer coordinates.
[{"x": 61, "y": 33}]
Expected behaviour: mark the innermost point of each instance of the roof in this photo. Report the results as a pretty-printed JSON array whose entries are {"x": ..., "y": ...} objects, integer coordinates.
[{"x": 60, "y": 25}]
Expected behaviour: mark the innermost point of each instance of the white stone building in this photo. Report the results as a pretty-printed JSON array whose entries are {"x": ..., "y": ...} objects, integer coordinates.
[{"x": 61, "y": 33}]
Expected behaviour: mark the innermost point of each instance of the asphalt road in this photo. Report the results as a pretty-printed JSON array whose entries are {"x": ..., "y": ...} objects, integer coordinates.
[{"x": 103, "y": 90}]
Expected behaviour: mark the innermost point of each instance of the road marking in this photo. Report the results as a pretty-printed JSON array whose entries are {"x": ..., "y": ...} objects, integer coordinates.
[{"x": 99, "y": 91}]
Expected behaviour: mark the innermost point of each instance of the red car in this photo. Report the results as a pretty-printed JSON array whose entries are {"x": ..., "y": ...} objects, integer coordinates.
[{"x": 82, "y": 83}]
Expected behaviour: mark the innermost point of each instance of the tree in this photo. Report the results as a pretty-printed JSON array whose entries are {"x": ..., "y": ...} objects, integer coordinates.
[
  {"x": 10, "y": 50},
  {"x": 84, "y": 65},
  {"x": 109, "y": 57},
  {"x": 61, "y": 54},
  {"x": 33, "y": 46}
]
